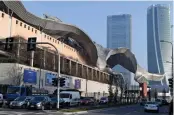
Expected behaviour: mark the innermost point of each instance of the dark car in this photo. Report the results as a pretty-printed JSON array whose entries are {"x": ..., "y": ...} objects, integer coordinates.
[
  {"x": 104, "y": 100},
  {"x": 164, "y": 102},
  {"x": 20, "y": 102},
  {"x": 171, "y": 108},
  {"x": 143, "y": 101},
  {"x": 86, "y": 101},
  {"x": 54, "y": 102},
  {"x": 40, "y": 102}
]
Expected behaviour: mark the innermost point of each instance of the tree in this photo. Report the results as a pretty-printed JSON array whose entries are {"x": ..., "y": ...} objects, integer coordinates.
[
  {"x": 14, "y": 75},
  {"x": 110, "y": 90}
]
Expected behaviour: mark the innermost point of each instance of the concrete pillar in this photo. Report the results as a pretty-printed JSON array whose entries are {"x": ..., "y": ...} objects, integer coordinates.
[
  {"x": 44, "y": 55},
  {"x": 76, "y": 69},
  {"x": 18, "y": 51},
  {"x": 70, "y": 67},
  {"x": 92, "y": 74},
  {"x": 63, "y": 64},
  {"x": 32, "y": 58},
  {"x": 82, "y": 72},
  {"x": 54, "y": 62},
  {"x": 87, "y": 81}
]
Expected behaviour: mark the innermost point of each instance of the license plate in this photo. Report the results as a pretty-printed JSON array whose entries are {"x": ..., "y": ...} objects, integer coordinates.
[{"x": 32, "y": 105}]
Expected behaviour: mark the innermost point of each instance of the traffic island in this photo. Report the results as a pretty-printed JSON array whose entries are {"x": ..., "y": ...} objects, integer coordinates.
[{"x": 84, "y": 110}]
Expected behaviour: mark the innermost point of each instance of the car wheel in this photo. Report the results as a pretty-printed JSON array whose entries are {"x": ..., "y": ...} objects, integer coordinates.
[
  {"x": 43, "y": 107},
  {"x": 23, "y": 106},
  {"x": 50, "y": 107},
  {"x": 157, "y": 111}
]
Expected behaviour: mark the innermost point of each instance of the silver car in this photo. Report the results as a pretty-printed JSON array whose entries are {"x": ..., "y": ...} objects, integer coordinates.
[
  {"x": 151, "y": 106},
  {"x": 20, "y": 102}
]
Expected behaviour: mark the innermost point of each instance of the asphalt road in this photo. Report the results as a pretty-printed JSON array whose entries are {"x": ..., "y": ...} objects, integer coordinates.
[
  {"x": 128, "y": 110},
  {"x": 123, "y": 110}
]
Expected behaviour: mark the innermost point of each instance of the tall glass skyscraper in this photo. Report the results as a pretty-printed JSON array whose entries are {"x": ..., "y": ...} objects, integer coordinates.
[
  {"x": 119, "y": 34},
  {"x": 159, "y": 54}
]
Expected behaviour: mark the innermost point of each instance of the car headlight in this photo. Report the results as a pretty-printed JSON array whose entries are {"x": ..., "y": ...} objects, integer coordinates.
[
  {"x": 21, "y": 103},
  {"x": 39, "y": 104},
  {"x": 28, "y": 103},
  {"x": 11, "y": 103}
]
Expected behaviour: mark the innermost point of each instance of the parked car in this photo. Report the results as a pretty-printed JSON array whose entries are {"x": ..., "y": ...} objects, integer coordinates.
[
  {"x": 103, "y": 100},
  {"x": 40, "y": 102},
  {"x": 143, "y": 101},
  {"x": 151, "y": 106},
  {"x": 54, "y": 102},
  {"x": 86, "y": 101},
  {"x": 159, "y": 101},
  {"x": 164, "y": 102},
  {"x": 71, "y": 98},
  {"x": 171, "y": 107},
  {"x": 20, "y": 102}
]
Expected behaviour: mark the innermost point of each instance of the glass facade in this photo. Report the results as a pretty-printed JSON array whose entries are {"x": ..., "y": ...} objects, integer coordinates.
[
  {"x": 119, "y": 35},
  {"x": 159, "y": 54}
]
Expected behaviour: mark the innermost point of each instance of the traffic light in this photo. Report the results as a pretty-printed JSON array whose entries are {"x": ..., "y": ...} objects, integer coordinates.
[
  {"x": 62, "y": 82},
  {"x": 9, "y": 43},
  {"x": 54, "y": 81},
  {"x": 31, "y": 46},
  {"x": 170, "y": 82}
]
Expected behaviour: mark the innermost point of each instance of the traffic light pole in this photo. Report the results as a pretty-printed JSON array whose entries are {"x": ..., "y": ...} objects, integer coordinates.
[{"x": 58, "y": 71}]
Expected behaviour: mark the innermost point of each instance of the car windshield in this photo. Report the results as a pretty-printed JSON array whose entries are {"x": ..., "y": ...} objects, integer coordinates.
[
  {"x": 64, "y": 95},
  {"x": 55, "y": 99},
  {"x": 86, "y": 99},
  {"x": 38, "y": 99},
  {"x": 13, "y": 90},
  {"x": 103, "y": 98},
  {"x": 20, "y": 98},
  {"x": 158, "y": 100},
  {"x": 150, "y": 103}
]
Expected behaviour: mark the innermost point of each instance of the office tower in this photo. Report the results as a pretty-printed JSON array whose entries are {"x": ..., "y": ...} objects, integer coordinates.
[
  {"x": 119, "y": 34},
  {"x": 159, "y": 51}
]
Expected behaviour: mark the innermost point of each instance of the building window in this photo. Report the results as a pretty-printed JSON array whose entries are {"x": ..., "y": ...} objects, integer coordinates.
[
  {"x": 28, "y": 27},
  {"x": 21, "y": 24},
  {"x": 32, "y": 29},
  {"x": 50, "y": 38},
  {"x": 45, "y": 35},
  {"x": 36, "y": 31},
  {"x": 2, "y": 14},
  {"x": 25, "y": 26},
  {"x": 16, "y": 21}
]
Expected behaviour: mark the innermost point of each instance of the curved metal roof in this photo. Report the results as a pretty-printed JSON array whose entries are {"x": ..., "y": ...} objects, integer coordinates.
[
  {"x": 123, "y": 57},
  {"x": 126, "y": 58},
  {"x": 51, "y": 27}
]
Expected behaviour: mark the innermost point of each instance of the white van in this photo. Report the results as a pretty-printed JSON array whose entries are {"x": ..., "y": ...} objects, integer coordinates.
[{"x": 71, "y": 98}]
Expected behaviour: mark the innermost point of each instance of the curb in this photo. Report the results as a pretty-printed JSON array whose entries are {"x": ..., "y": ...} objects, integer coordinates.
[{"x": 75, "y": 113}]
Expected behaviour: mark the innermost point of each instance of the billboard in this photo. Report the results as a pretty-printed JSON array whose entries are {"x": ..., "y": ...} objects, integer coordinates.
[
  {"x": 77, "y": 83},
  {"x": 30, "y": 76},
  {"x": 48, "y": 78}
]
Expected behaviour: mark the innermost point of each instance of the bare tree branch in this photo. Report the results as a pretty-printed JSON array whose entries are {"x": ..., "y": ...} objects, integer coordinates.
[{"x": 14, "y": 75}]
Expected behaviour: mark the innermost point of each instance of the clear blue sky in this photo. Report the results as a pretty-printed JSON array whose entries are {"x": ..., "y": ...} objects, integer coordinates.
[{"x": 92, "y": 16}]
